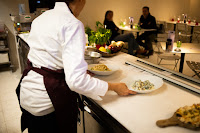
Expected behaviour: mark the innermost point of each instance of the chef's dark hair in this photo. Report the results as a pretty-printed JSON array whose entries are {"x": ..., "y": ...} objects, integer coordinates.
[
  {"x": 66, "y": 1},
  {"x": 146, "y": 7},
  {"x": 109, "y": 11}
]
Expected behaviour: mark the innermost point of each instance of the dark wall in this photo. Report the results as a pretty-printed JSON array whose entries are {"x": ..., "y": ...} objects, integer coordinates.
[{"x": 33, "y": 4}]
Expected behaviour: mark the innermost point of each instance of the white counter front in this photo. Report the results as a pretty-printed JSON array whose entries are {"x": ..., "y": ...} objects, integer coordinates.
[{"x": 139, "y": 113}]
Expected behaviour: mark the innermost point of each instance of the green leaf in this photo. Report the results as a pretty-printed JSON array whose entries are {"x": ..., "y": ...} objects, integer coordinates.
[
  {"x": 98, "y": 23},
  {"x": 88, "y": 30},
  {"x": 100, "y": 36}
]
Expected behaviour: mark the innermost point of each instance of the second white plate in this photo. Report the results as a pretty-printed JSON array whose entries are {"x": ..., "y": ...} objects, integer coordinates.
[
  {"x": 113, "y": 69},
  {"x": 158, "y": 82}
]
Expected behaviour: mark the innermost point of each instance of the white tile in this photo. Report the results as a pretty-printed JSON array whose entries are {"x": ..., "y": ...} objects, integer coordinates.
[
  {"x": 13, "y": 126},
  {"x": 1, "y": 118},
  {"x": 11, "y": 110},
  {"x": 1, "y": 108},
  {"x": 8, "y": 96},
  {"x": 3, "y": 128},
  {"x": 7, "y": 88},
  {"x": 26, "y": 131},
  {"x": 9, "y": 83},
  {"x": 2, "y": 123},
  {"x": 18, "y": 74}
]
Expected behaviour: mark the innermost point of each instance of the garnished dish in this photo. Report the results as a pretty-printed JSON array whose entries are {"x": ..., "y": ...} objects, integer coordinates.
[
  {"x": 143, "y": 83},
  {"x": 146, "y": 85},
  {"x": 189, "y": 115},
  {"x": 103, "y": 69},
  {"x": 100, "y": 67}
]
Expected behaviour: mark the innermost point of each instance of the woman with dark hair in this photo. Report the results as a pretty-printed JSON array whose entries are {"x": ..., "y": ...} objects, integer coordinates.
[
  {"x": 57, "y": 72},
  {"x": 133, "y": 46},
  {"x": 108, "y": 21}
]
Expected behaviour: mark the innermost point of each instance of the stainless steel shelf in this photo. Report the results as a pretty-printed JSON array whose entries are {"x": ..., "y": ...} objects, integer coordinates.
[
  {"x": 4, "y": 50},
  {"x": 167, "y": 78}
]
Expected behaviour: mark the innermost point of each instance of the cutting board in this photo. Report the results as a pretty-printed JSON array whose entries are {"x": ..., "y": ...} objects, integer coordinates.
[{"x": 174, "y": 121}]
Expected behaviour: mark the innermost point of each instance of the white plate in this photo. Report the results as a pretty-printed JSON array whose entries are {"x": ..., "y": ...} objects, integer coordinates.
[
  {"x": 158, "y": 82},
  {"x": 113, "y": 69}
]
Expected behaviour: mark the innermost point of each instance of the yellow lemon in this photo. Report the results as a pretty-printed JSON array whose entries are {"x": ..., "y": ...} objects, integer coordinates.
[{"x": 102, "y": 49}]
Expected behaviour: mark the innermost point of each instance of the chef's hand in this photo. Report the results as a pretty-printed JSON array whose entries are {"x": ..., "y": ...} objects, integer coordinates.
[
  {"x": 90, "y": 73},
  {"x": 121, "y": 89}
]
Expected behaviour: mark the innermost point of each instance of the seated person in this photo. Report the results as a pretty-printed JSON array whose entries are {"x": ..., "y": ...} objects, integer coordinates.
[
  {"x": 133, "y": 46},
  {"x": 147, "y": 21}
]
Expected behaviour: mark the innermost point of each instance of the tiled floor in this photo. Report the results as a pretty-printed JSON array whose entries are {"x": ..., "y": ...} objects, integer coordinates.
[{"x": 9, "y": 107}]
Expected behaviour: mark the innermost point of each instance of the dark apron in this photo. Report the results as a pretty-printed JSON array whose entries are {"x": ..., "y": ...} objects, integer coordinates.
[{"x": 63, "y": 99}]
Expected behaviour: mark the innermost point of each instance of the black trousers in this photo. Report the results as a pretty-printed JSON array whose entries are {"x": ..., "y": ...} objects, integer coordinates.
[
  {"x": 149, "y": 38},
  {"x": 129, "y": 37},
  {"x": 40, "y": 124}
]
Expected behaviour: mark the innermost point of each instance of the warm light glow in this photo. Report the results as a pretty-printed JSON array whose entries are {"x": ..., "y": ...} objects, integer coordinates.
[{"x": 124, "y": 23}]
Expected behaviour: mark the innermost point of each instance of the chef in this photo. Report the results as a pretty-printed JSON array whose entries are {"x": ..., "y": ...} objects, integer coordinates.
[{"x": 57, "y": 72}]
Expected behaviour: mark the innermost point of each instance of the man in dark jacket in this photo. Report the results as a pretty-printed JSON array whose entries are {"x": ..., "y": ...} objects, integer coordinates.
[{"x": 147, "y": 21}]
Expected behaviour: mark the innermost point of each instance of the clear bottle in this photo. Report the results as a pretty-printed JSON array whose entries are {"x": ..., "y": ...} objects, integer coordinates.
[{"x": 131, "y": 22}]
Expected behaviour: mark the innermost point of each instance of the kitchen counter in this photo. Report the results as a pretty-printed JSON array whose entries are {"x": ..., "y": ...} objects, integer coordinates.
[
  {"x": 23, "y": 50},
  {"x": 139, "y": 113}
]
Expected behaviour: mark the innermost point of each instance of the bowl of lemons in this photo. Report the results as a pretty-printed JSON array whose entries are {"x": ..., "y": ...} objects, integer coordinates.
[{"x": 111, "y": 50}]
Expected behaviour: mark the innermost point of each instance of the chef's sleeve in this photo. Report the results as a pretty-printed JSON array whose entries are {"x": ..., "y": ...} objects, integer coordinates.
[{"x": 75, "y": 66}]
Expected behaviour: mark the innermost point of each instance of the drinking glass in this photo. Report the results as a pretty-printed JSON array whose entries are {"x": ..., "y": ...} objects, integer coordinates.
[
  {"x": 124, "y": 23},
  {"x": 179, "y": 43},
  {"x": 173, "y": 18},
  {"x": 178, "y": 19},
  {"x": 178, "y": 48},
  {"x": 189, "y": 20},
  {"x": 194, "y": 20}
]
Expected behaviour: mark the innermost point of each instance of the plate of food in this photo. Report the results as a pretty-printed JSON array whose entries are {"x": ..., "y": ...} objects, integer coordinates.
[
  {"x": 103, "y": 69},
  {"x": 188, "y": 117},
  {"x": 143, "y": 83}
]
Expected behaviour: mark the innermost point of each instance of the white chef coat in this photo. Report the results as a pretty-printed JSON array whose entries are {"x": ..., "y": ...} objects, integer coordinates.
[{"x": 57, "y": 41}]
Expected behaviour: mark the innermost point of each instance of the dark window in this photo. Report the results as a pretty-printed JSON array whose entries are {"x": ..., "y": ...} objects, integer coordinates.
[{"x": 33, "y": 4}]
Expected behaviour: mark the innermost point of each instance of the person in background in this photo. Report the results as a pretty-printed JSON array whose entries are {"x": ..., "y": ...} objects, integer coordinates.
[
  {"x": 57, "y": 72},
  {"x": 133, "y": 46},
  {"x": 147, "y": 21}
]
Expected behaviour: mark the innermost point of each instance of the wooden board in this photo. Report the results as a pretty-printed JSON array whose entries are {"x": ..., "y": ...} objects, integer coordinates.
[{"x": 174, "y": 121}]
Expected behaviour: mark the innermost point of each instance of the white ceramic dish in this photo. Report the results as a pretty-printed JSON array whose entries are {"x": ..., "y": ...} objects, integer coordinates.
[
  {"x": 95, "y": 54},
  {"x": 158, "y": 82},
  {"x": 113, "y": 69}
]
